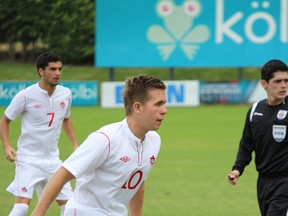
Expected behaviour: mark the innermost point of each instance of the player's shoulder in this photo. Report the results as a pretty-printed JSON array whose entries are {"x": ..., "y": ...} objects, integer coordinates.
[
  {"x": 286, "y": 99},
  {"x": 31, "y": 87},
  {"x": 117, "y": 130},
  {"x": 153, "y": 135},
  {"x": 111, "y": 128},
  {"x": 111, "y": 131},
  {"x": 62, "y": 91},
  {"x": 153, "y": 141},
  {"x": 257, "y": 105},
  {"x": 63, "y": 88}
]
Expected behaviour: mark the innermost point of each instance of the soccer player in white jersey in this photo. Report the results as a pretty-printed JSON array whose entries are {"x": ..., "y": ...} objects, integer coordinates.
[
  {"x": 44, "y": 108},
  {"x": 113, "y": 163}
]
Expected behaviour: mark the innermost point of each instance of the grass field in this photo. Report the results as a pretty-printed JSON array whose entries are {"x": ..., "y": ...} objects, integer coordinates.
[
  {"x": 199, "y": 145},
  {"x": 27, "y": 71}
]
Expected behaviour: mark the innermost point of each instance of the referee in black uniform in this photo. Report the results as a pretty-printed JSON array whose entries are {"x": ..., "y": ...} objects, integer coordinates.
[{"x": 265, "y": 133}]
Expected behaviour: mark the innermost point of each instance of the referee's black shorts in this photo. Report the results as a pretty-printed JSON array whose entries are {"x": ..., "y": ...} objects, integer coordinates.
[{"x": 272, "y": 195}]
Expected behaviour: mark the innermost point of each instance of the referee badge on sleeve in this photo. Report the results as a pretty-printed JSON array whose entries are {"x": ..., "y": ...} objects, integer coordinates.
[{"x": 279, "y": 132}]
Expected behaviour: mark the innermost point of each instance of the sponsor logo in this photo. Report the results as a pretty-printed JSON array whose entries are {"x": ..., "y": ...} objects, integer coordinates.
[
  {"x": 258, "y": 114},
  {"x": 187, "y": 36},
  {"x": 125, "y": 159}
]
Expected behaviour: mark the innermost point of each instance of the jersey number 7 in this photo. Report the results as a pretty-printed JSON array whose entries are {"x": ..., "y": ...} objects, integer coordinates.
[{"x": 52, "y": 118}]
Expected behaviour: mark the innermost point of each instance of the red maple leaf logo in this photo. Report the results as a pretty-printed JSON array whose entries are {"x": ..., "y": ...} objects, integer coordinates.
[
  {"x": 152, "y": 160},
  {"x": 24, "y": 189},
  {"x": 62, "y": 104}
]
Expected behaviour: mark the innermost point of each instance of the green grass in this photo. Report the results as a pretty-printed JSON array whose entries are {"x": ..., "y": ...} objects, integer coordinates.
[
  {"x": 27, "y": 71},
  {"x": 199, "y": 146}
]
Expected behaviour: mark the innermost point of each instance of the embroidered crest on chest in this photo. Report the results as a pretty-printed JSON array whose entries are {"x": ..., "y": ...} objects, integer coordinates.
[{"x": 281, "y": 114}]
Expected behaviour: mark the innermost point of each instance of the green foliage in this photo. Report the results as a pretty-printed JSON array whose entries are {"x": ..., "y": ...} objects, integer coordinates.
[
  {"x": 22, "y": 21},
  {"x": 71, "y": 29},
  {"x": 64, "y": 26}
]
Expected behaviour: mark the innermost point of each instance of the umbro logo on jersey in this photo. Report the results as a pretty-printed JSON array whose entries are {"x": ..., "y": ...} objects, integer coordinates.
[
  {"x": 37, "y": 106},
  {"x": 258, "y": 114},
  {"x": 125, "y": 159}
]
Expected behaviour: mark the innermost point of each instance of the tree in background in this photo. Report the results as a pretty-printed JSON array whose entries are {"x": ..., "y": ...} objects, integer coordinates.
[
  {"x": 63, "y": 26},
  {"x": 71, "y": 30}
]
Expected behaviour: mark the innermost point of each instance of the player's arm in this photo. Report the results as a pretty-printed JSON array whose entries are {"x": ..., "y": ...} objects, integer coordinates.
[
  {"x": 244, "y": 155},
  {"x": 69, "y": 130},
  {"x": 136, "y": 203},
  {"x": 51, "y": 190},
  {"x": 4, "y": 133}
]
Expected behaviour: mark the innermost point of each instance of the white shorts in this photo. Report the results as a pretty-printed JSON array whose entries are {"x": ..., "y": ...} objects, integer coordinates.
[
  {"x": 75, "y": 209},
  {"x": 32, "y": 174}
]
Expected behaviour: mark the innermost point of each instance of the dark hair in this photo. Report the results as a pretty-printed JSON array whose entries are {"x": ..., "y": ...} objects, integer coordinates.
[
  {"x": 44, "y": 59},
  {"x": 272, "y": 66},
  {"x": 137, "y": 88}
]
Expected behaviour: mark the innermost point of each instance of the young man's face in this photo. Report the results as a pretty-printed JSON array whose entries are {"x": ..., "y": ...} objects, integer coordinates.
[
  {"x": 52, "y": 73},
  {"x": 276, "y": 88},
  {"x": 154, "y": 110}
]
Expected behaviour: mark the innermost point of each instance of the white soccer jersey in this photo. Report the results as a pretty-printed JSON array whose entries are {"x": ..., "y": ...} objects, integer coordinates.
[
  {"x": 110, "y": 166},
  {"x": 42, "y": 117}
]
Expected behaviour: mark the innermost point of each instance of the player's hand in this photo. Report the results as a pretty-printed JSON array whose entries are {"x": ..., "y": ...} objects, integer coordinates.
[
  {"x": 233, "y": 177},
  {"x": 10, "y": 154}
]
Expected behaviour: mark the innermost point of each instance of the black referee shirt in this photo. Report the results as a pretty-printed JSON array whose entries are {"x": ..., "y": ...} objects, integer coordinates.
[{"x": 265, "y": 132}]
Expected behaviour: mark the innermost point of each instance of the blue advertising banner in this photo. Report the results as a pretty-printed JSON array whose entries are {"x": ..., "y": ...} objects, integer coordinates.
[
  {"x": 231, "y": 92},
  {"x": 180, "y": 93},
  {"x": 9, "y": 89},
  {"x": 186, "y": 33},
  {"x": 83, "y": 93}
]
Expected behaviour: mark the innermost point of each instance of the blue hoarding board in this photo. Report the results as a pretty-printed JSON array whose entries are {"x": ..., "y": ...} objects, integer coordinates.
[
  {"x": 179, "y": 93},
  {"x": 9, "y": 89},
  {"x": 227, "y": 92},
  {"x": 186, "y": 33},
  {"x": 83, "y": 93}
]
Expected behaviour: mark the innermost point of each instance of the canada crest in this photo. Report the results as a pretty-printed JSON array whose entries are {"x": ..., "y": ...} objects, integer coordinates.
[
  {"x": 152, "y": 160},
  {"x": 62, "y": 104}
]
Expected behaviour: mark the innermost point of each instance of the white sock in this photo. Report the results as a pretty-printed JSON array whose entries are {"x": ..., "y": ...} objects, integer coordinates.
[
  {"x": 19, "y": 209},
  {"x": 62, "y": 208}
]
